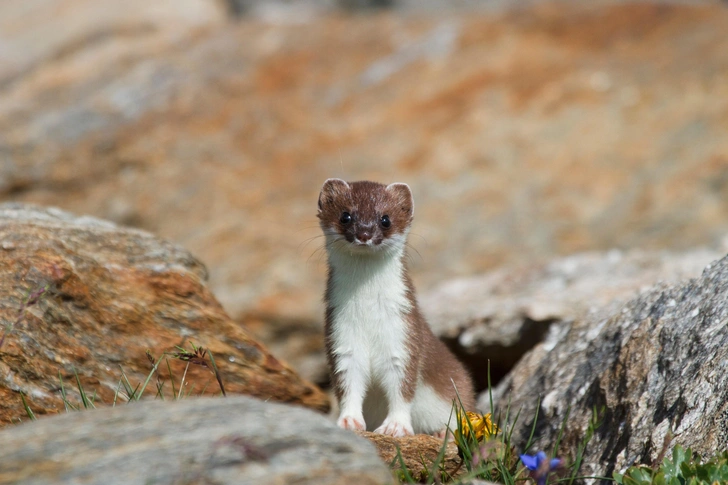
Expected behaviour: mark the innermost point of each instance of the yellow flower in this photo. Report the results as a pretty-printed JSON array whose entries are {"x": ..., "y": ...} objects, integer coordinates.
[{"x": 481, "y": 425}]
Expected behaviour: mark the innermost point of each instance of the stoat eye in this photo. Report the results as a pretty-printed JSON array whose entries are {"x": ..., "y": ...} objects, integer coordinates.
[
  {"x": 386, "y": 222},
  {"x": 345, "y": 218}
]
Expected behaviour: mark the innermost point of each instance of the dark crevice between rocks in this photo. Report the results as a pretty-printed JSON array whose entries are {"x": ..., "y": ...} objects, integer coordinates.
[{"x": 502, "y": 357}]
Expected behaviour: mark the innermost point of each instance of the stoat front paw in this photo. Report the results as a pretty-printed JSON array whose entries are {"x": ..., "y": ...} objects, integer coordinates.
[
  {"x": 395, "y": 428},
  {"x": 351, "y": 423}
]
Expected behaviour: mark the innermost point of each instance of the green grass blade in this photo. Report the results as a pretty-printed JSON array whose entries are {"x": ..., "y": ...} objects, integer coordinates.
[
  {"x": 403, "y": 468},
  {"x": 116, "y": 393},
  {"x": 513, "y": 426},
  {"x": 189, "y": 393},
  {"x": 561, "y": 431},
  {"x": 87, "y": 403},
  {"x": 28, "y": 411},
  {"x": 490, "y": 391},
  {"x": 217, "y": 373},
  {"x": 594, "y": 423},
  {"x": 160, "y": 388},
  {"x": 533, "y": 426},
  {"x": 171, "y": 377},
  {"x": 68, "y": 405},
  {"x": 438, "y": 460},
  {"x": 131, "y": 392},
  {"x": 506, "y": 423},
  {"x": 149, "y": 377}
]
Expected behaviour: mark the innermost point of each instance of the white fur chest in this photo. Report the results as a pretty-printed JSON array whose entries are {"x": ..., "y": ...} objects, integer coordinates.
[{"x": 369, "y": 301}]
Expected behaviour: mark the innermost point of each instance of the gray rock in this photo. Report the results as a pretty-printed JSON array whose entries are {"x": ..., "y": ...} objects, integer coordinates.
[
  {"x": 499, "y": 316},
  {"x": 209, "y": 440},
  {"x": 655, "y": 370}
]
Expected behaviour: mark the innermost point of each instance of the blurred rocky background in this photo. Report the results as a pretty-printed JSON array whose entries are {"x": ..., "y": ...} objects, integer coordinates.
[
  {"x": 528, "y": 131},
  {"x": 569, "y": 162}
]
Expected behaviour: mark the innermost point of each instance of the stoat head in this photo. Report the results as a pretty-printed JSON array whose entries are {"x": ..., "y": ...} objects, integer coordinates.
[{"x": 365, "y": 217}]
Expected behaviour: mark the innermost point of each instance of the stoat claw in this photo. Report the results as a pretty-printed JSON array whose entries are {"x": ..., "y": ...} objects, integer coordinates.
[
  {"x": 394, "y": 429},
  {"x": 351, "y": 423}
]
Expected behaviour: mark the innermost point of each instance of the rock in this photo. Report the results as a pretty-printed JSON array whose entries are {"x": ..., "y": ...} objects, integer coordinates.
[
  {"x": 524, "y": 134},
  {"x": 208, "y": 440},
  {"x": 103, "y": 295},
  {"x": 502, "y": 314},
  {"x": 51, "y": 32},
  {"x": 301, "y": 340},
  {"x": 418, "y": 452},
  {"x": 654, "y": 370}
]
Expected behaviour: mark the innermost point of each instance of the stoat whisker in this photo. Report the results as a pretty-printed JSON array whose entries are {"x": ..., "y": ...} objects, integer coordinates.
[
  {"x": 302, "y": 245},
  {"x": 326, "y": 246},
  {"x": 319, "y": 251},
  {"x": 419, "y": 236},
  {"x": 413, "y": 249},
  {"x": 306, "y": 228}
]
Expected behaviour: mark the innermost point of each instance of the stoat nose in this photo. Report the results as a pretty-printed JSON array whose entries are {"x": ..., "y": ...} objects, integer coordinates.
[{"x": 364, "y": 235}]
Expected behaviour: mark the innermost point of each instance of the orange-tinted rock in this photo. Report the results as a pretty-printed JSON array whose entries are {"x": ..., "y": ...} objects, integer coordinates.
[
  {"x": 419, "y": 453},
  {"x": 92, "y": 298}
]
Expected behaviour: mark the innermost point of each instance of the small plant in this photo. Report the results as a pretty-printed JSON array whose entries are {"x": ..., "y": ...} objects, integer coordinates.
[
  {"x": 540, "y": 466},
  {"x": 684, "y": 468},
  {"x": 487, "y": 452},
  {"x": 485, "y": 447},
  {"x": 197, "y": 357},
  {"x": 130, "y": 393},
  {"x": 28, "y": 411}
]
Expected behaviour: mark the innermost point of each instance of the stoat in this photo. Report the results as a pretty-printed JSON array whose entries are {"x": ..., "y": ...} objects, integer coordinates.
[{"x": 389, "y": 371}]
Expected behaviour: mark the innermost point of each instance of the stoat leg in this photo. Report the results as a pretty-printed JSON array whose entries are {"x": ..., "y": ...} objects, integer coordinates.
[
  {"x": 398, "y": 422},
  {"x": 351, "y": 381}
]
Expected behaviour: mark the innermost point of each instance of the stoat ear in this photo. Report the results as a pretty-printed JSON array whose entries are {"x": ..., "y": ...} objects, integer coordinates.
[
  {"x": 331, "y": 189},
  {"x": 403, "y": 196}
]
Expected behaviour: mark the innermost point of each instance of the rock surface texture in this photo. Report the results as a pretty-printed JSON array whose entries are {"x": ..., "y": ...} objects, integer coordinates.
[
  {"x": 418, "y": 453},
  {"x": 525, "y": 134},
  {"x": 238, "y": 440},
  {"x": 655, "y": 368},
  {"x": 100, "y": 297},
  {"x": 501, "y": 315}
]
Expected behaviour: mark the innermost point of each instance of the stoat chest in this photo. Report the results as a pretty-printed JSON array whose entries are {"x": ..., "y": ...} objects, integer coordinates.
[{"x": 369, "y": 302}]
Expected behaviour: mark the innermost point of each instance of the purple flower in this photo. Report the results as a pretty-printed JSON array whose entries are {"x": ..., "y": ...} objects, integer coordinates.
[{"x": 540, "y": 466}]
